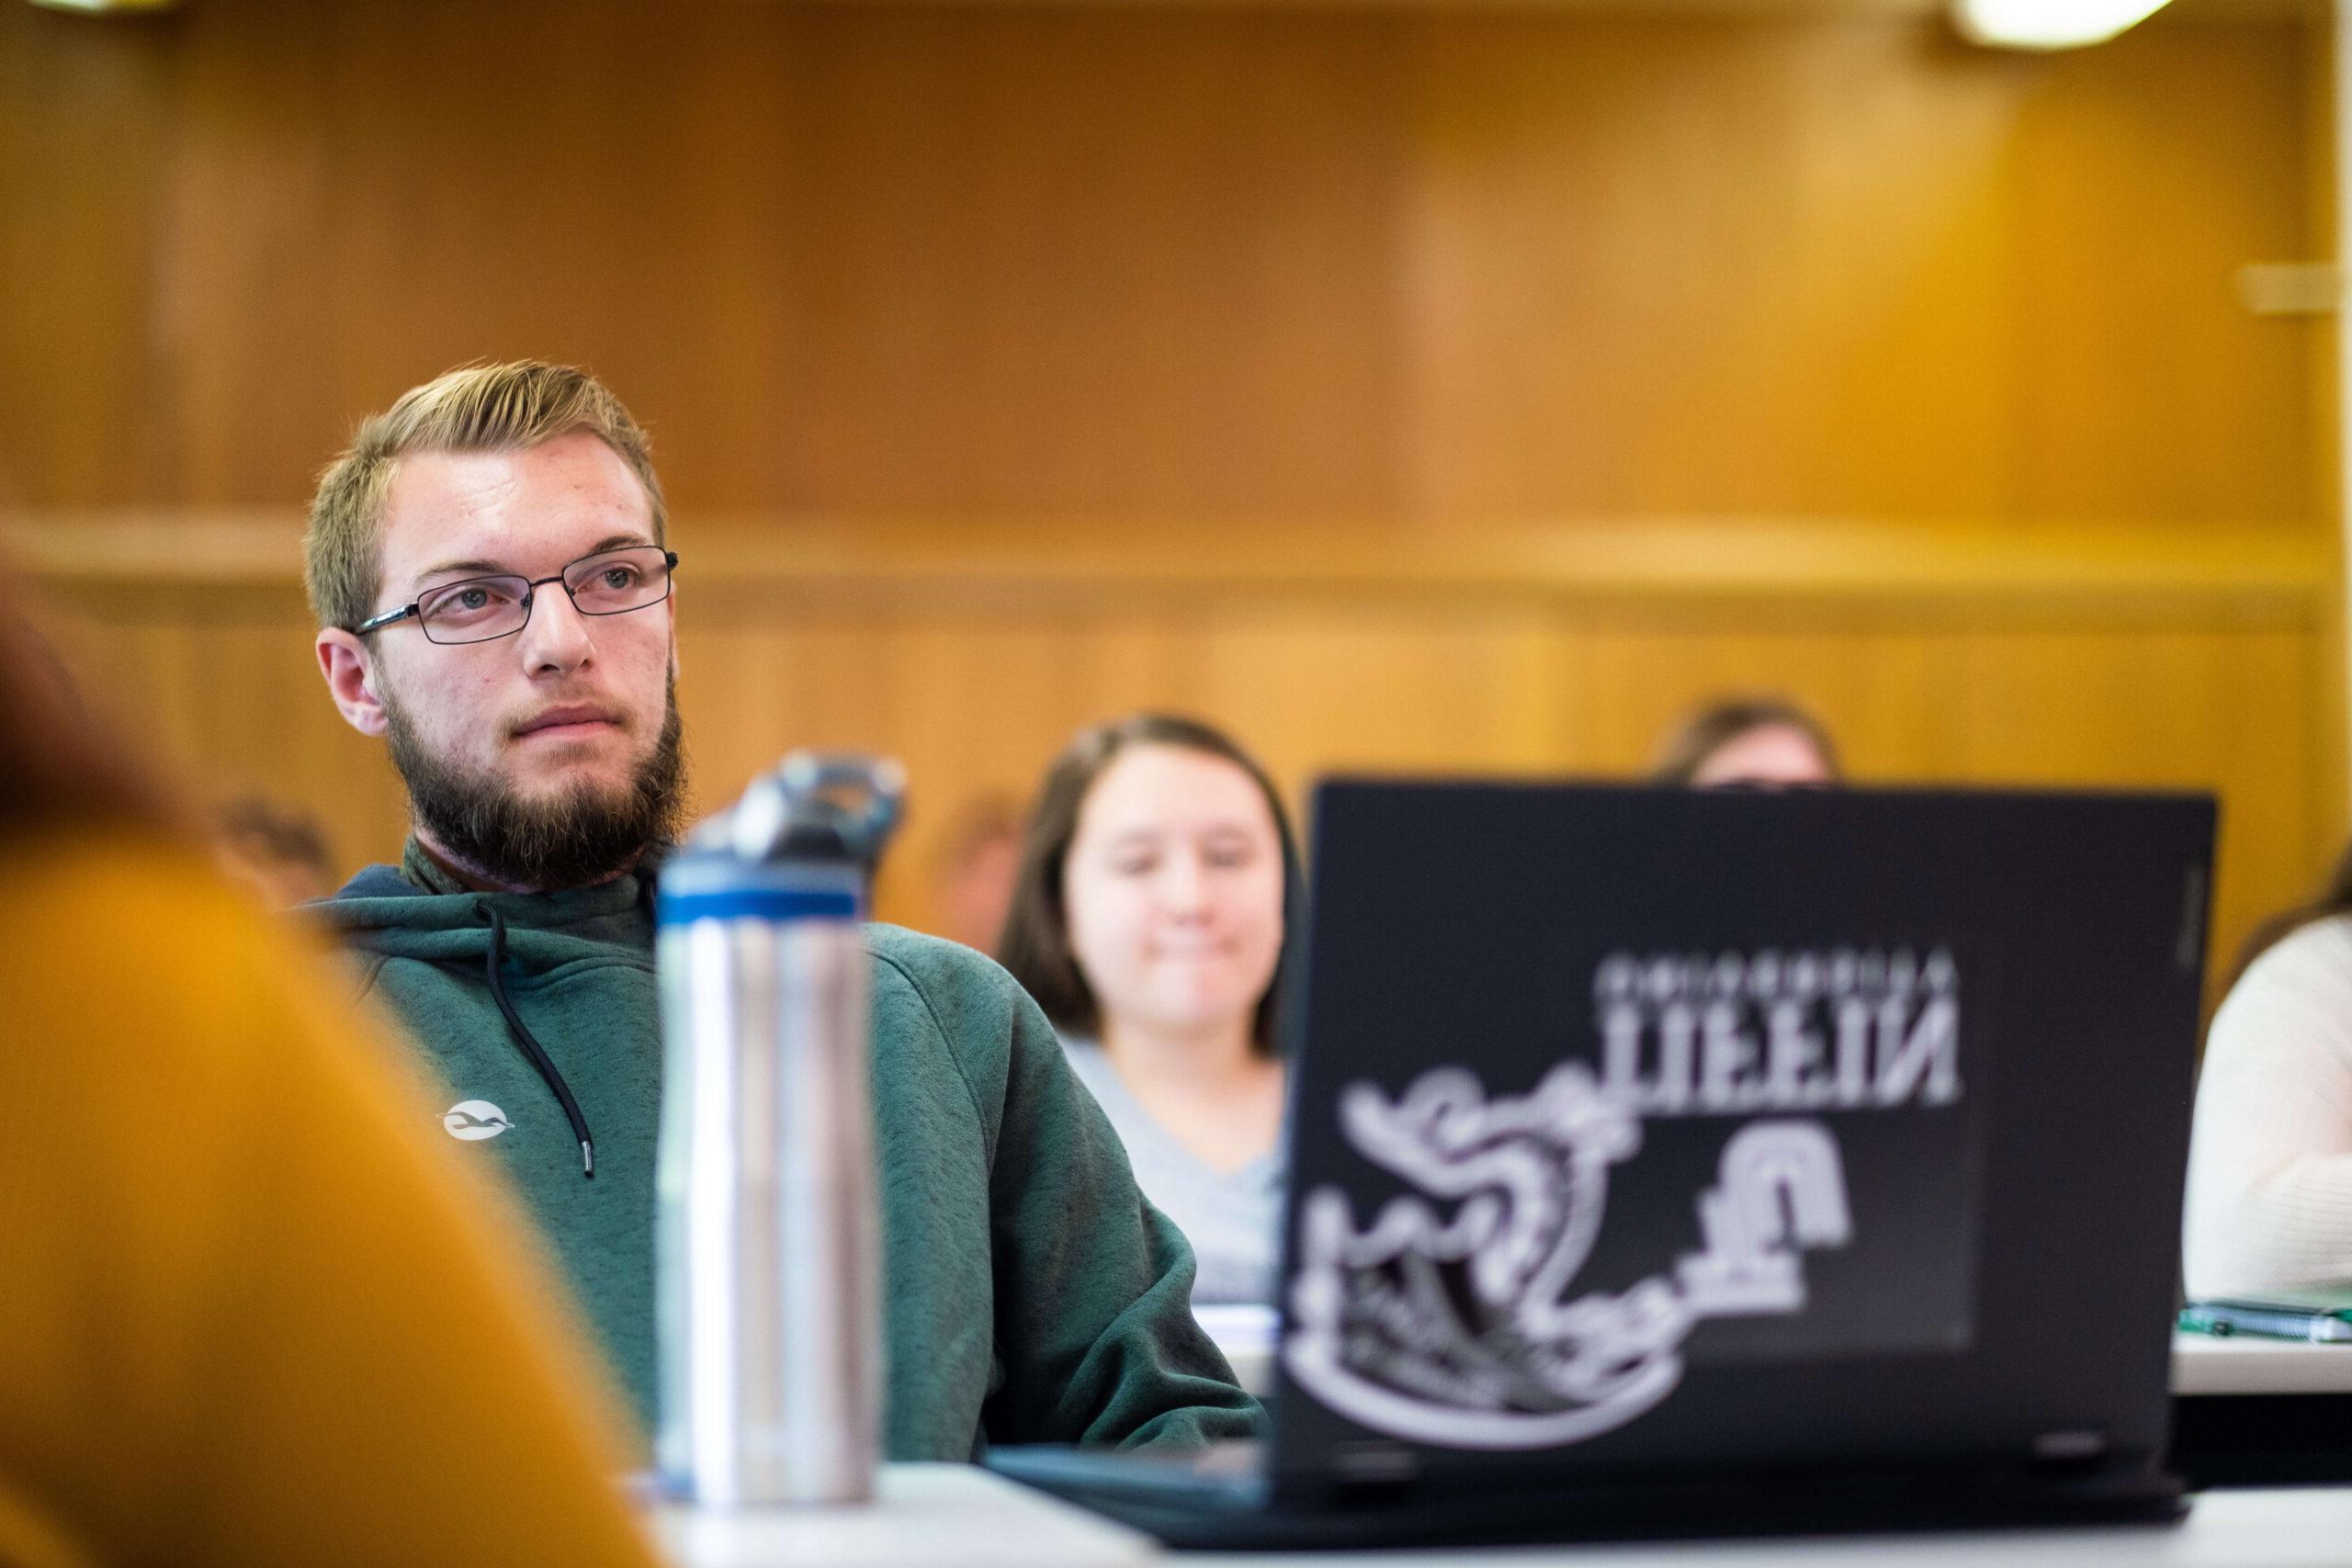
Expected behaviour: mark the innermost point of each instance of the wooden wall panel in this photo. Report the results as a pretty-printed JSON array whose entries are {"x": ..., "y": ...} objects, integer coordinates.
[
  {"x": 1858, "y": 270},
  {"x": 2137, "y": 369},
  {"x": 217, "y": 689},
  {"x": 836, "y": 256},
  {"x": 1528, "y": 337},
  {"x": 1095, "y": 262},
  {"x": 976, "y": 687},
  {"x": 1754, "y": 271},
  {"x": 1394, "y": 267},
  {"x": 84, "y": 118}
]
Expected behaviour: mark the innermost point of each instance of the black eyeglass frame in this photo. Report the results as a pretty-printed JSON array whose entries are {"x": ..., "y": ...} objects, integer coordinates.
[{"x": 530, "y": 597}]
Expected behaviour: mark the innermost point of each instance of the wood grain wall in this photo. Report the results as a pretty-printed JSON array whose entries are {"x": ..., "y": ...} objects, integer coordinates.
[
  {"x": 1379, "y": 266},
  {"x": 1432, "y": 387},
  {"x": 2073, "y": 658}
]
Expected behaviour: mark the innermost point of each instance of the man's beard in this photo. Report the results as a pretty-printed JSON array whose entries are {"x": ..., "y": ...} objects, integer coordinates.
[{"x": 579, "y": 837}]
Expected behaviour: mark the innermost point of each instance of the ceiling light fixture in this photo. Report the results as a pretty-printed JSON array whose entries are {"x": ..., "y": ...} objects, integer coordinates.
[
  {"x": 2047, "y": 24},
  {"x": 96, "y": 7}
]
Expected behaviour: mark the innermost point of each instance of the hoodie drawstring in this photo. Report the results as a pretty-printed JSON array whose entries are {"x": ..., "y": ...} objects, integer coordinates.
[{"x": 533, "y": 1049}]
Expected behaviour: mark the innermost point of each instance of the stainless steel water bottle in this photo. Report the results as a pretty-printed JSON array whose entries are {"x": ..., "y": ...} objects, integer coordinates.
[{"x": 768, "y": 1298}]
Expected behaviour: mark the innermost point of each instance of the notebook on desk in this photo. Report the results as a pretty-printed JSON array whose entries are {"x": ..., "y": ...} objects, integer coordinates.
[{"x": 1685, "y": 1163}]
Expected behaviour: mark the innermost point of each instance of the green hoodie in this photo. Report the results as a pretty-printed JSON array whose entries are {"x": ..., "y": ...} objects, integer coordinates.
[{"x": 1031, "y": 1294}]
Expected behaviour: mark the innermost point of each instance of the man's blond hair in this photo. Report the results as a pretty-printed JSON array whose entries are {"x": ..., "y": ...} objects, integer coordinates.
[{"x": 483, "y": 407}]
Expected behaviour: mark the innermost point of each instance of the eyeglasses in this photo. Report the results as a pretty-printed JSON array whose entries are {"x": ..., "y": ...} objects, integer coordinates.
[{"x": 480, "y": 609}]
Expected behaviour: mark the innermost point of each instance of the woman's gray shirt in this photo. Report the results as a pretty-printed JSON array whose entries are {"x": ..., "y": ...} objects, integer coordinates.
[{"x": 1230, "y": 1218}]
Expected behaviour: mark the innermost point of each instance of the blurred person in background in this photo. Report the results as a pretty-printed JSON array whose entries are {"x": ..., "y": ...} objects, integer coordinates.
[
  {"x": 249, "y": 1314},
  {"x": 1157, "y": 889},
  {"x": 2270, "y": 1151},
  {"x": 1759, "y": 742},
  {"x": 278, "y": 851},
  {"x": 972, "y": 870},
  {"x": 494, "y": 595}
]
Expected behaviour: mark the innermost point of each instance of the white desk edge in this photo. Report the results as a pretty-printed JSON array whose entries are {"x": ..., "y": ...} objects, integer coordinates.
[{"x": 955, "y": 1513}]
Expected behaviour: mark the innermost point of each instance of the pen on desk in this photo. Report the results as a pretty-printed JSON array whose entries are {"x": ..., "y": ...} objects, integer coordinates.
[{"x": 2271, "y": 1320}]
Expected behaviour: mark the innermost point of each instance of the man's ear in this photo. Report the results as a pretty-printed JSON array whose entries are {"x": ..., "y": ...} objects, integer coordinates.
[{"x": 351, "y": 680}]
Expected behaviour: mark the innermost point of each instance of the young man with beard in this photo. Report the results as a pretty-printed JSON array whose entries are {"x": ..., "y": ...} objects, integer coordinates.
[{"x": 488, "y": 566}]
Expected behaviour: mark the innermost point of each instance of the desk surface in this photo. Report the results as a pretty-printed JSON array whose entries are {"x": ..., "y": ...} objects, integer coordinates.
[
  {"x": 938, "y": 1514},
  {"x": 2244, "y": 1363},
  {"x": 925, "y": 1516},
  {"x": 2225, "y": 1529},
  {"x": 954, "y": 1514}
]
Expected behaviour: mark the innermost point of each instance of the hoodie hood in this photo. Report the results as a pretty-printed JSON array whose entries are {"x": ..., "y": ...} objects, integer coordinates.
[{"x": 416, "y": 910}]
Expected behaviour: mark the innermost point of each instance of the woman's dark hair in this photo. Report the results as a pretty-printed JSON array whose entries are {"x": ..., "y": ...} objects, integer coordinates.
[
  {"x": 1715, "y": 726},
  {"x": 1035, "y": 943},
  {"x": 2334, "y": 899}
]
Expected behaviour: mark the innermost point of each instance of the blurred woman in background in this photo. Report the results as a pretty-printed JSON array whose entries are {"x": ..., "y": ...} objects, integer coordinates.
[
  {"x": 273, "y": 847},
  {"x": 248, "y": 1313},
  {"x": 1760, "y": 742},
  {"x": 972, "y": 868},
  {"x": 2271, "y": 1155},
  {"x": 1157, "y": 883}
]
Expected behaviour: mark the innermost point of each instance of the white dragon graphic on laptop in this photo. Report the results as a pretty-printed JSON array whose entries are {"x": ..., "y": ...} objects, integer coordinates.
[{"x": 1503, "y": 1357}]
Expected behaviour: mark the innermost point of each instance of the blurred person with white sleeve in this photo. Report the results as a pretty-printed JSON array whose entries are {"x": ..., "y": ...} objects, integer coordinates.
[{"x": 2270, "y": 1157}]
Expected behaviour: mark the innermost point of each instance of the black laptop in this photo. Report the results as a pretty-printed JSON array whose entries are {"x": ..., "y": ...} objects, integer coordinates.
[{"x": 1687, "y": 1163}]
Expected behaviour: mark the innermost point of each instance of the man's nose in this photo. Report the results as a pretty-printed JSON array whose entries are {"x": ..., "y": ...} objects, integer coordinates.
[{"x": 555, "y": 639}]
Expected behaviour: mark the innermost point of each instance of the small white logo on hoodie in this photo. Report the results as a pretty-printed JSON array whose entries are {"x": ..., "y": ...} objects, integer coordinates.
[{"x": 474, "y": 1119}]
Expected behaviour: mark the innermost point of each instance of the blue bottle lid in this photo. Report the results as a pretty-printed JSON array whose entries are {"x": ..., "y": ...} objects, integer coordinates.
[{"x": 800, "y": 844}]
